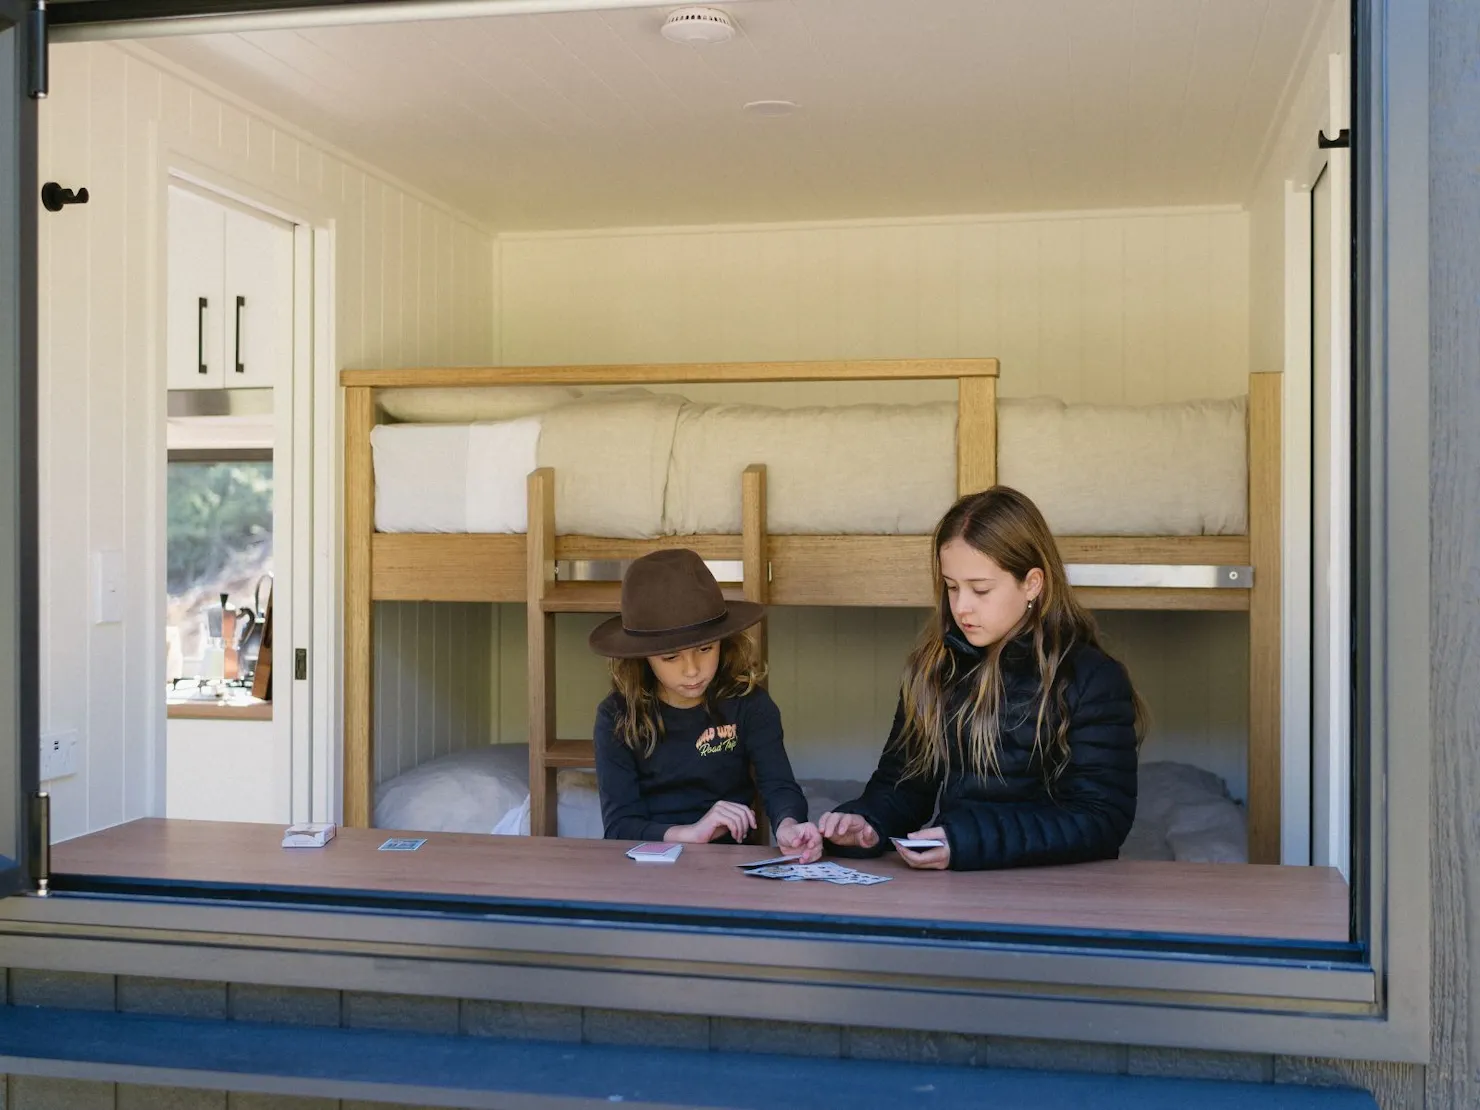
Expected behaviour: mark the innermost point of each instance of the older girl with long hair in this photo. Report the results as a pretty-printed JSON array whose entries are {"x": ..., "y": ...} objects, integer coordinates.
[
  {"x": 688, "y": 736},
  {"x": 1015, "y": 740}
]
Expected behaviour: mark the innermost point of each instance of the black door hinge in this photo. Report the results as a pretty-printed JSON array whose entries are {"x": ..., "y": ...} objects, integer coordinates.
[
  {"x": 300, "y": 663},
  {"x": 37, "y": 76},
  {"x": 40, "y": 846},
  {"x": 1343, "y": 139}
]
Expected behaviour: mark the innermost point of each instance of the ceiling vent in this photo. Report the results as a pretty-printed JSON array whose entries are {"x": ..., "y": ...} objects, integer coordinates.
[{"x": 698, "y": 26}]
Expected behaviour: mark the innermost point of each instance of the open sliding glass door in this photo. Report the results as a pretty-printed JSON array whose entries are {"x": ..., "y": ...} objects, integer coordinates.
[
  {"x": 19, "y": 744},
  {"x": 1331, "y": 493}
]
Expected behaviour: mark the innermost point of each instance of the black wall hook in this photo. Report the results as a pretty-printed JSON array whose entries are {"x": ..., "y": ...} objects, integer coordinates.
[
  {"x": 1343, "y": 139},
  {"x": 55, "y": 198}
]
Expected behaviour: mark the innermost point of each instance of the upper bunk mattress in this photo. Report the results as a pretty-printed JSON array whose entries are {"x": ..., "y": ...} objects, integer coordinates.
[{"x": 646, "y": 465}]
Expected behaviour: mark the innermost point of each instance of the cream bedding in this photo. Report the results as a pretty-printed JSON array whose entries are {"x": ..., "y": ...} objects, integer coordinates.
[
  {"x": 860, "y": 469},
  {"x": 639, "y": 465}
]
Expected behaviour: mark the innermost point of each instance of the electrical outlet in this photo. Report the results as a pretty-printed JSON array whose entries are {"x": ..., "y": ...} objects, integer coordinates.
[{"x": 58, "y": 755}]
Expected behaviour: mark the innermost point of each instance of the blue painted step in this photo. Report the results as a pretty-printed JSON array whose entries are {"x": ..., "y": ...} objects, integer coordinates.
[{"x": 483, "y": 1072}]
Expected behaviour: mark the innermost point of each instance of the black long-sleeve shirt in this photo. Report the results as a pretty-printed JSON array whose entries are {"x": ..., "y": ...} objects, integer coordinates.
[
  {"x": 1013, "y": 819},
  {"x": 696, "y": 763}
]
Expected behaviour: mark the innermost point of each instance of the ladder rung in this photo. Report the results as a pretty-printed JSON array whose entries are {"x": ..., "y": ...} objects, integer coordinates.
[
  {"x": 570, "y": 753},
  {"x": 583, "y": 597},
  {"x": 600, "y": 597}
]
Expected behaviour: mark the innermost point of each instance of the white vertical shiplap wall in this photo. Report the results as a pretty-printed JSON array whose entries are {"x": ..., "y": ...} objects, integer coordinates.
[
  {"x": 1097, "y": 307},
  {"x": 432, "y": 690},
  {"x": 414, "y": 284}
]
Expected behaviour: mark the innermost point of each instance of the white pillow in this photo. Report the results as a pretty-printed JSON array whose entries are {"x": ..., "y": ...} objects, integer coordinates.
[
  {"x": 468, "y": 791},
  {"x": 577, "y": 809},
  {"x": 420, "y": 477},
  {"x": 1184, "y": 812},
  {"x": 500, "y": 457},
  {"x": 422, "y": 405}
]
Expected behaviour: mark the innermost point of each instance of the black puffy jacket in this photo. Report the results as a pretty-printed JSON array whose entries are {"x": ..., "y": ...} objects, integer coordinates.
[{"x": 1014, "y": 819}]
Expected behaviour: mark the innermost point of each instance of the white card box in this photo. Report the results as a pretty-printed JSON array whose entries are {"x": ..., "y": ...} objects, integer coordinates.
[
  {"x": 308, "y": 834},
  {"x": 655, "y": 853}
]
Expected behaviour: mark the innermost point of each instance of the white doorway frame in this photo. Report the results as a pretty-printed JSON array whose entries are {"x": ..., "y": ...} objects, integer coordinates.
[
  {"x": 324, "y": 674},
  {"x": 305, "y": 719}
]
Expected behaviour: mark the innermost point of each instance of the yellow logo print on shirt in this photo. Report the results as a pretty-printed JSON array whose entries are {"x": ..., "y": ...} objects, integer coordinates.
[{"x": 713, "y": 741}]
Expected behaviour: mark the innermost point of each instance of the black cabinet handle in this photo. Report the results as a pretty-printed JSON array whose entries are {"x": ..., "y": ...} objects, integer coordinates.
[
  {"x": 241, "y": 303},
  {"x": 200, "y": 335}
]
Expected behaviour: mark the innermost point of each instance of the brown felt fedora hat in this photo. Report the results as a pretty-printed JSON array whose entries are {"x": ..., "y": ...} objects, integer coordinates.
[{"x": 670, "y": 601}]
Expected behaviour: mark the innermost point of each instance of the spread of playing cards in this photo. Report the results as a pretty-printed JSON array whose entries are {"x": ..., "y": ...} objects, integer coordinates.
[{"x": 827, "y": 872}]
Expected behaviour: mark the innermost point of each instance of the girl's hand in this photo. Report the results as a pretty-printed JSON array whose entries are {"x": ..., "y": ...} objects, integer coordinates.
[
  {"x": 848, "y": 830},
  {"x": 927, "y": 859},
  {"x": 723, "y": 817},
  {"x": 803, "y": 839}
]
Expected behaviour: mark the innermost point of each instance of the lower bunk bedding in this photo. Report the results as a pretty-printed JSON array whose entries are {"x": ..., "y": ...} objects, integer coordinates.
[{"x": 1182, "y": 813}]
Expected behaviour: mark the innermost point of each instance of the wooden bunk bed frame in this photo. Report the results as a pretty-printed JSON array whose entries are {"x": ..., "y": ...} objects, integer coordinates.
[{"x": 881, "y": 571}]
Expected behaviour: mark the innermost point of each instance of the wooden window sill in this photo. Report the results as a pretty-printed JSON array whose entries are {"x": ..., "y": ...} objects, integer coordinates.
[
  {"x": 242, "y": 710},
  {"x": 1181, "y": 899}
]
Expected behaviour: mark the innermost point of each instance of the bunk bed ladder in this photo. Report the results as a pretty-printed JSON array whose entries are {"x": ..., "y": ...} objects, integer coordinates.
[
  {"x": 546, "y": 597},
  {"x": 539, "y": 566},
  {"x": 757, "y": 576}
]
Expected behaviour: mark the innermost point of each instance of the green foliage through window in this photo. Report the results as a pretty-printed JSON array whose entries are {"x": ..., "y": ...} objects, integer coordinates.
[{"x": 220, "y": 514}]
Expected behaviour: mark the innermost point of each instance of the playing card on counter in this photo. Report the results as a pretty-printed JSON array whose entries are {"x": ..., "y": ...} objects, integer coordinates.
[
  {"x": 859, "y": 878},
  {"x": 776, "y": 861},
  {"x": 402, "y": 844},
  {"x": 783, "y": 872},
  {"x": 826, "y": 872}
]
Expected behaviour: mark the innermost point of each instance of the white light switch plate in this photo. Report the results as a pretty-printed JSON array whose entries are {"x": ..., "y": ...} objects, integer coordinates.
[
  {"x": 107, "y": 587},
  {"x": 58, "y": 755}
]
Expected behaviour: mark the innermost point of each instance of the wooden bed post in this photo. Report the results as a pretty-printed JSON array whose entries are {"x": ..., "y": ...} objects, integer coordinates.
[
  {"x": 976, "y": 434},
  {"x": 754, "y": 544},
  {"x": 1265, "y": 640},
  {"x": 359, "y": 523},
  {"x": 539, "y": 553},
  {"x": 757, "y": 580}
]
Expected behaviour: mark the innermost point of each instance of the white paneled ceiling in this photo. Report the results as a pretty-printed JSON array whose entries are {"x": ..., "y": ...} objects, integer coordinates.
[{"x": 906, "y": 107}]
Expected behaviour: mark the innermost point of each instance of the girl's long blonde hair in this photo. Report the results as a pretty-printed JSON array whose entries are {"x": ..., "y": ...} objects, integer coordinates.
[
  {"x": 1007, "y": 528},
  {"x": 640, "y": 726}
]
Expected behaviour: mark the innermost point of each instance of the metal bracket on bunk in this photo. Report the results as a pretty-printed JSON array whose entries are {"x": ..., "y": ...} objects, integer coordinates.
[
  {"x": 1160, "y": 576},
  {"x": 725, "y": 571},
  {"x": 40, "y": 846}
]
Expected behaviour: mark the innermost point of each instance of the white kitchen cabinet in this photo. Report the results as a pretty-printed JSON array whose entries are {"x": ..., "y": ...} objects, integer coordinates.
[
  {"x": 230, "y": 288},
  {"x": 196, "y": 283}
]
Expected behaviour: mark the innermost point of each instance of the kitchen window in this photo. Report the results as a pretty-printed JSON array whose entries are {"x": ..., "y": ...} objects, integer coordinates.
[{"x": 219, "y": 545}]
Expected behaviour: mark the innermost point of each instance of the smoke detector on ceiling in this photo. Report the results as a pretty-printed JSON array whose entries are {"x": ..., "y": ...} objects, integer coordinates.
[{"x": 698, "y": 26}]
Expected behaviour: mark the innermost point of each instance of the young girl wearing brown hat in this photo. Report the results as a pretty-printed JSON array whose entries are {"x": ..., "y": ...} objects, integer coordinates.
[{"x": 688, "y": 735}]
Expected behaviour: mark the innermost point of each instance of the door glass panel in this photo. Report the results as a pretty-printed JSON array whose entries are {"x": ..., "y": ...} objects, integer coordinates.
[{"x": 18, "y": 596}]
